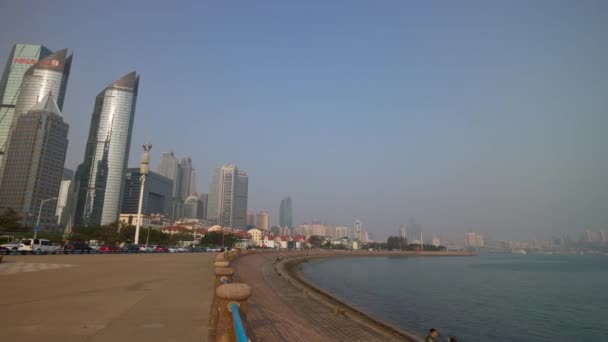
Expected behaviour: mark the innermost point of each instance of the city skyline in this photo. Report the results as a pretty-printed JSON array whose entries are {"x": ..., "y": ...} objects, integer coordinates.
[{"x": 508, "y": 143}]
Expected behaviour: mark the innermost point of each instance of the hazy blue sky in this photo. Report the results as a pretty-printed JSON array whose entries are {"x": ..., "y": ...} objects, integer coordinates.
[{"x": 483, "y": 115}]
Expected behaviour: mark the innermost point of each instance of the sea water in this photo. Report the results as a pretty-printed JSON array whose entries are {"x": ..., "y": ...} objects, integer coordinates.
[{"x": 494, "y": 297}]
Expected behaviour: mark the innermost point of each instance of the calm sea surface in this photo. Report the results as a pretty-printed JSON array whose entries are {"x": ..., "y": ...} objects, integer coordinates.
[{"x": 500, "y": 297}]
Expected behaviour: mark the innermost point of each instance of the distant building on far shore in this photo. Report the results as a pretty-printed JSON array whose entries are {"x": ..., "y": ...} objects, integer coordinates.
[
  {"x": 473, "y": 239},
  {"x": 263, "y": 220}
]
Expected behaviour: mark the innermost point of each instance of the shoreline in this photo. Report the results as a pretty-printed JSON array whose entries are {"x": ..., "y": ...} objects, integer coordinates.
[
  {"x": 284, "y": 306},
  {"x": 289, "y": 268}
]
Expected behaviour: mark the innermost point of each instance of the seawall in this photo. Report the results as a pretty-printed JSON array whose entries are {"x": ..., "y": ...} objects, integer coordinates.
[{"x": 288, "y": 267}]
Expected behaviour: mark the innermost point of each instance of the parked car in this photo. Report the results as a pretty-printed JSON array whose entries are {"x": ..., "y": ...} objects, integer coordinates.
[
  {"x": 36, "y": 246},
  {"x": 131, "y": 249},
  {"x": 173, "y": 249},
  {"x": 107, "y": 249},
  {"x": 77, "y": 248},
  {"x": 161, "y": 249},
  {"x": 11, "y": 246},
  {"x": 56, "y": 248},
  {"x": 5, "y": 251},
  {"x": 94, "y": 244},
  {"x": 147, "y": 249}
]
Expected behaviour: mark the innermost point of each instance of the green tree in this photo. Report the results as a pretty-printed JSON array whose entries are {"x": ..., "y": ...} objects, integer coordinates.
[
  {"x": 316, "y": 240},
  {"x": 396, "y": 242},
  {"x": 215, "y": 239},
  {"x": 9, "y": 221}
]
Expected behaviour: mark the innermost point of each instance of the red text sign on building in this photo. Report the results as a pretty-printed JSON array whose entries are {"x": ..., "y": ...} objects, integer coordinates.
[{"x": 24, "y": 61}]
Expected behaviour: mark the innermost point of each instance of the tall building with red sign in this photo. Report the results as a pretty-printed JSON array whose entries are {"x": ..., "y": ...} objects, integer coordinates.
[
  {"x": 48, "y": 76},
  {"x": 21, "y": 58}
]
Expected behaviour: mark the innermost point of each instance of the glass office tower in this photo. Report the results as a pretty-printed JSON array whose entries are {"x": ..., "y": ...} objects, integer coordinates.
[
  {"x": 101, "y": 176},
  {"x": 21, "y": 58}
]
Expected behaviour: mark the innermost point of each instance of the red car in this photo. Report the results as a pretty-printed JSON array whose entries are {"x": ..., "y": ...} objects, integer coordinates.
[
  {"x": 161, "y": 249},
  {"x": 109, "y": 249}
]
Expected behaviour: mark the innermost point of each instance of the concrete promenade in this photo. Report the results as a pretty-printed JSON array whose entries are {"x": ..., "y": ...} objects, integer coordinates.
[
  {"x": 125, "y": 297},
  {"x": 279, "y": 311}
]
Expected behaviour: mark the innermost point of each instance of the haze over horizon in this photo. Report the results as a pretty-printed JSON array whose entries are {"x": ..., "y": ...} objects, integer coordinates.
[{"x": 472, "y": 115}]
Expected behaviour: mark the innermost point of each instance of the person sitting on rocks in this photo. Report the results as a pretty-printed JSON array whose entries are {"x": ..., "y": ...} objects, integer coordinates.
[{"x": 432, "y": 336}]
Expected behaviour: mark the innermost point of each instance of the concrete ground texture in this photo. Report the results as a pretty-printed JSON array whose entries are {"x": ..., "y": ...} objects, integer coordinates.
[
  {"x": 125, "y": 297},
  {"x": 278, "y": 311}
]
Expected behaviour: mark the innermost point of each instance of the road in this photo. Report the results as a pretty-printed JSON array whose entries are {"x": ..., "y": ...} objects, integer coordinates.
[{"x": 144, "y": 297}]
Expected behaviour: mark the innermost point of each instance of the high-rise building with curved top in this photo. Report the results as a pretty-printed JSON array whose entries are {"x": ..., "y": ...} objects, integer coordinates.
[
  {"x": 31, "y": 73},
  {"x": 101, "y": 176},
  {"x": 49, "y": 75}
]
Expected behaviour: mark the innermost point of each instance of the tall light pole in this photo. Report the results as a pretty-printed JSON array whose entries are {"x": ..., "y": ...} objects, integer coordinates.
[
  {"x": 222, "y": 237},
  {"x": 144, "y": 168},
  {"x": 39, "y": 213}
]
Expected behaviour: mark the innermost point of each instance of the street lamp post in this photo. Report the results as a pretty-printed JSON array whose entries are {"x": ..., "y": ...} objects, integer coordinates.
[
  {"x": 148, "y": 237},
  {"x": 222, "y": 238},
  {"x": 40, "y": 213},
  {"x": 143, "y": 169}
]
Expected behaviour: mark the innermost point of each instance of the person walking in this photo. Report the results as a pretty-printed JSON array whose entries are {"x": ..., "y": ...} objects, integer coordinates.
[{"x": 432, "y": 336}]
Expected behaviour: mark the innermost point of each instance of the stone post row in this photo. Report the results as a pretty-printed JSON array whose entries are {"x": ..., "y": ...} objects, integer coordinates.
[
  {"x": 229, "y": 294},
  {"x": 221, "y": 271}
]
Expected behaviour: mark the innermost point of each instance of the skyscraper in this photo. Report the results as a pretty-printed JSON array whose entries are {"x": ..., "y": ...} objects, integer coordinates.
[
  {"x": 358, "y": 229},
  {"x": 250, "y": 218},
  {"x": 415, "y": 231},
  {"x": 193, "y": 183},
  {"x": 65, "y": 203},
  {"x": 403, "y": 231},
  {"x": 21, "y": 58},
  {"x": 241, "y": 195},
  {"x": 49, "y": 75},
  {"x": 158, "y": 194},
  {"x": 263, "y": 220},
  {"x": 34, "y": 162},
  {"x": 202, "y": 209},
  {"x": 191, "y": 206},
  {"x": 186, "y": 178},
  {"x": 228, "y": 197},
  {"x": 169, "y": 167},
  {"x": 286, "y": 213},
  {"x": 101, "y": 175}
]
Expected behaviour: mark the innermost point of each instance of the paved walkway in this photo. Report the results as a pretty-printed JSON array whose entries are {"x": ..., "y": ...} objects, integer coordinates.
[
  {"x": 150, "y": 297},
  {"x": 280, "y": 312}
]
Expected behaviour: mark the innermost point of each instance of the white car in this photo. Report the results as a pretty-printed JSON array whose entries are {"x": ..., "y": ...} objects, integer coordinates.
[
  {"x": 12, "y": 246},
  {"x": 147, "y": 249},
  {"x": 38, "y": 246}
]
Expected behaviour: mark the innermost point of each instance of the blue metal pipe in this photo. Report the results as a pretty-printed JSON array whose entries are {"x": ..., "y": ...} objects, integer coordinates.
[{"x": 239, "y": 330}]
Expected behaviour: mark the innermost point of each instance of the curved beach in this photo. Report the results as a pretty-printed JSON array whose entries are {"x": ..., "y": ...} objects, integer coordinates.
[{"x": 286, "y": 307}]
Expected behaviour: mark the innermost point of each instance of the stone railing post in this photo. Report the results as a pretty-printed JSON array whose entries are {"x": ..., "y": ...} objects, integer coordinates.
[
  {"x": 222, "y": 272},
  {"x": 229, "y": 294}
]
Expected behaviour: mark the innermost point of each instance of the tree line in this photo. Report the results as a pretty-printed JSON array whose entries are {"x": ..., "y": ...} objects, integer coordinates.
[{"x": 109, "y": 234}]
